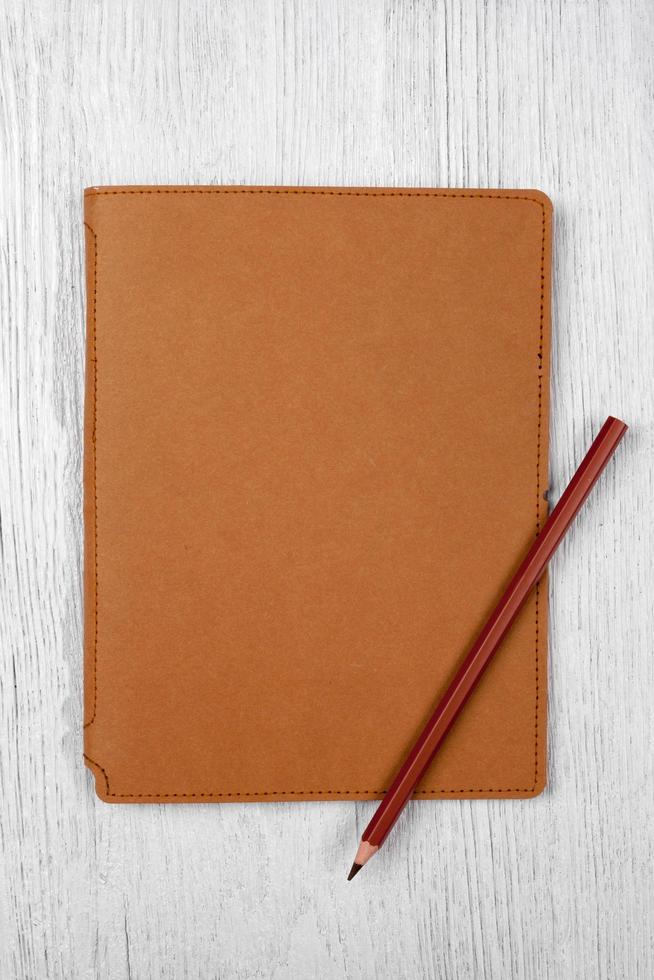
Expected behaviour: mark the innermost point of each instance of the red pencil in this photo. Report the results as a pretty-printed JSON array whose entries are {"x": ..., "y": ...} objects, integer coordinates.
[{"x": 474, "y": 664}]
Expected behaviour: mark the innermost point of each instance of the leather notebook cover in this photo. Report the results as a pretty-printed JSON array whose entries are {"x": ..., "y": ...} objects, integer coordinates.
[{"x": 315, "y": 452}]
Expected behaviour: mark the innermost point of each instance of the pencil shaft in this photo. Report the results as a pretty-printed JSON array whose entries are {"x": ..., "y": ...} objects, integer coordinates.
[{"x": 496, "y": 627}]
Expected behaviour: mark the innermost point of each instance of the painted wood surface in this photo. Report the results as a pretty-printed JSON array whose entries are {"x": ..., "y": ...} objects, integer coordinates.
[{"x": 521, "y": 93}]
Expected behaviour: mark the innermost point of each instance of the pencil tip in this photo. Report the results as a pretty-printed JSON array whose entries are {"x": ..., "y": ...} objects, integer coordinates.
[{"x": 354, "y": 870}]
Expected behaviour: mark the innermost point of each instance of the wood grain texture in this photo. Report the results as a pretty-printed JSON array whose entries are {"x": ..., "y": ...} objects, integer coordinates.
[{"x": 521, "y": 93}]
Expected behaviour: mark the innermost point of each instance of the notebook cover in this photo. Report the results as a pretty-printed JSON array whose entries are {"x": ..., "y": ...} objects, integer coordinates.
[{"x": 316, "y": 435}]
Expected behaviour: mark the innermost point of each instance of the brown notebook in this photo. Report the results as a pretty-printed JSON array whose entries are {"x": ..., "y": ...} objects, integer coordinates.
[{"x": 316, "y": 449}]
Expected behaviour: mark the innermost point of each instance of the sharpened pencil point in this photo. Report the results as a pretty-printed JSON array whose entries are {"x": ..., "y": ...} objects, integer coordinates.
[{"x": 364, "y": 852}]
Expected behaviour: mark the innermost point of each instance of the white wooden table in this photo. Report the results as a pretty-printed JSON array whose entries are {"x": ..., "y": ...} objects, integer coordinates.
[{"x": 554, "y": 94}]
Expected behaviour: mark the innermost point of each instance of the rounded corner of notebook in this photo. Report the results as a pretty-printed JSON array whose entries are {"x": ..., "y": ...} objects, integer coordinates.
[
  {"x": 539, "y": 787},
  {"x": 543, "y": 199}
]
